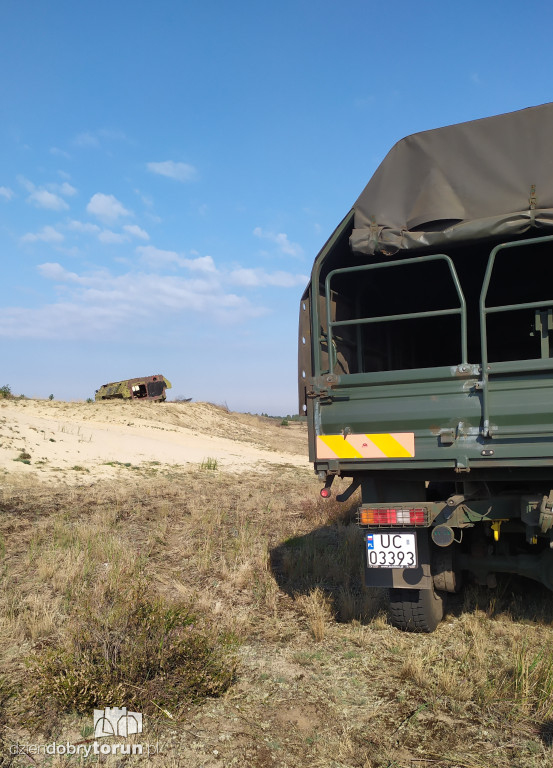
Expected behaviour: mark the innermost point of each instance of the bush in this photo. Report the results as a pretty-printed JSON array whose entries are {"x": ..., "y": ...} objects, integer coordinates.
[
  {"x": 146, "y": 653},
  {"x": 5, "y": 391}
]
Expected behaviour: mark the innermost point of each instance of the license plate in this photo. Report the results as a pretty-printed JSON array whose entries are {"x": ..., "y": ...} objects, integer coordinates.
[{"x": 391, "y": 550}]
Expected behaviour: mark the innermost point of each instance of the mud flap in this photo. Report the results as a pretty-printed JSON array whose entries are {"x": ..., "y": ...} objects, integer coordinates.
[{"x": 403, "y": 578}]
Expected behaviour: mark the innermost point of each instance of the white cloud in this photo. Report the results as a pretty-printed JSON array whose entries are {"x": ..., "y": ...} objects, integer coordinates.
[
  {"x": 158, "y": 258},
  {"x": 201, "y": 264},
  {"x": 47, "y": 198},
  {"x": 73, "y": 251},
  {"x": 178, "y": 171},
  {"x": 153, "y": 217},
  {"x": 111, "y": 135},
  {"x": 42, "y": 198},
  {"x": 46, "y": 235},
  {"x": 254, "y": 278},
  {"x": 25, "y": 183},
  {"x": 91, "y": 139},
  {"x": 280, "y": 239},
  {"x": 60, "y": 152},
  {"x": 6, "y": 193},
  {"x": 82, "y": 226},
  {"x": 86, "y": 139},
  {"x": 106, "y": 207},
  {"x": 93, "y": 303},
  {"x": 146, "y": 199},
  {"x": 54, "y": 271},
  {"x": 64, "y": 189},
  {"x": 135, "y": 231},
  {"x": 108, "y": 237}
]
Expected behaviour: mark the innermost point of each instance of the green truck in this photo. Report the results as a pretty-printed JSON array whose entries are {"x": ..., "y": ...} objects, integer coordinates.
[{"x": 426, "y": 361}]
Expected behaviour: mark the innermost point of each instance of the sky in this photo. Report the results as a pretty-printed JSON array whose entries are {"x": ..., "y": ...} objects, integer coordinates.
[{"x": 170, "y": 170}]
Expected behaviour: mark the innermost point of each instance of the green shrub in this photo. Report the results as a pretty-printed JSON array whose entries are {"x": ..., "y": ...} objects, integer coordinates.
[
  {"x": 5, "y": 391},
  {"x": 146, "y": 653}
]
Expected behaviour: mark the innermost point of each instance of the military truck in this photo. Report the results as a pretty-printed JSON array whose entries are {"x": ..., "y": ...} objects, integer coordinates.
[
  {"x": 145, "y": 388},
  {"x": 426, "y": 361}
]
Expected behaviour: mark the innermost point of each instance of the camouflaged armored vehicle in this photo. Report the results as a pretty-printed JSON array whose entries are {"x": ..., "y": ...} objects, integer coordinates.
[
  {"x": 146, "y": 388},
  {"x": 426, "y": 361}
]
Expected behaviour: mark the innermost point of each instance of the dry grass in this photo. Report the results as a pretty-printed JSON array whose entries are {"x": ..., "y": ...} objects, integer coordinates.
[
  {"x": 317, "y": 611},
  {"x": 272, "y": 575}
]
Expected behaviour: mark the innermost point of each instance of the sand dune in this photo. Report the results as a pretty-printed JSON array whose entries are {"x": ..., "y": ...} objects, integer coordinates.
[{"x": 82, "y": 442}]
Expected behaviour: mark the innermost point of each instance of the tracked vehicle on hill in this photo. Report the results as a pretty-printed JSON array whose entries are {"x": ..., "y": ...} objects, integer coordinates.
[{"x": 426, "y": 361}]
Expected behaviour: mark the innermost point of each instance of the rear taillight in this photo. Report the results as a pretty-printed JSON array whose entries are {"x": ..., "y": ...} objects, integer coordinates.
[
  {"x": 393, "y": 516},
  {"x": 418, "y": 516}
]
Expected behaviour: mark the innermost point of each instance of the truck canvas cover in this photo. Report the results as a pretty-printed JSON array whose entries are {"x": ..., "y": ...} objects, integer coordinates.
[{"x": 484, "y": 179}]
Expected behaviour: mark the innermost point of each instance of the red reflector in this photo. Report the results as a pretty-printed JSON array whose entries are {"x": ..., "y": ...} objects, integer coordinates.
[
  {"x": 325, "y": 493},
  {"x": 385, "y": 516},
  {"x": 418, "y": 516}
]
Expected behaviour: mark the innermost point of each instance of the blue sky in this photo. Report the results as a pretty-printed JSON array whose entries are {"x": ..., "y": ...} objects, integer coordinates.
[{"x": 170, "y": 170}]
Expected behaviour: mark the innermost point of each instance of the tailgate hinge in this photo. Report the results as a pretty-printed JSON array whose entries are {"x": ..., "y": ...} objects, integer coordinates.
[{"x": 461, "y": 465}]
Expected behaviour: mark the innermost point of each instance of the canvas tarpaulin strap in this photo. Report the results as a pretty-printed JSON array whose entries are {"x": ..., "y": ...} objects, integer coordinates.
[{"x": 478, "y": 180}]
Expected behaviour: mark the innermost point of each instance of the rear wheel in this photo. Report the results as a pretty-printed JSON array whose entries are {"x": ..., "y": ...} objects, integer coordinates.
[{"x": 416, "y": 610}]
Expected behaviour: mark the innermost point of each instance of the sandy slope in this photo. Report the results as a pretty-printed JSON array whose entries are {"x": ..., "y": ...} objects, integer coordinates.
[{"x": 81, "y": 442}]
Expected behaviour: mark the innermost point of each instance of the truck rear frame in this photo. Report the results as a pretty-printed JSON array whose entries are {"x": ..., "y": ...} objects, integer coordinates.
[{"x": 427, "y": 380}]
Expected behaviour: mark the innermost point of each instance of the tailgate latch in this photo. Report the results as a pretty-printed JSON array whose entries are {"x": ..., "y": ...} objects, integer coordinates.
[{"x": 448, "y": 436}]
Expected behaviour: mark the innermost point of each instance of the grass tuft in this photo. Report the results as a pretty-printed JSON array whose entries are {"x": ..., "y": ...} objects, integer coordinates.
[
  {"x": 318, "y": 611},
  {"x": 530, "y": 682}
]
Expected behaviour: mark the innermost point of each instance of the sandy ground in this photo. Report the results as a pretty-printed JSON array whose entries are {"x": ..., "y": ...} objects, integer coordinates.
[{"x": 83, "y": 442}]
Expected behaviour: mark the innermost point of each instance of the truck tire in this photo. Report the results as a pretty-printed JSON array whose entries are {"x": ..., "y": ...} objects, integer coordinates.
[{"x": 416, "y": 610}]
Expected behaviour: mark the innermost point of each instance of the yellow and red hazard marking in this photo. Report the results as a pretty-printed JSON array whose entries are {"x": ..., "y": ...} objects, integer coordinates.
[{"x": 392, "y": 445}]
